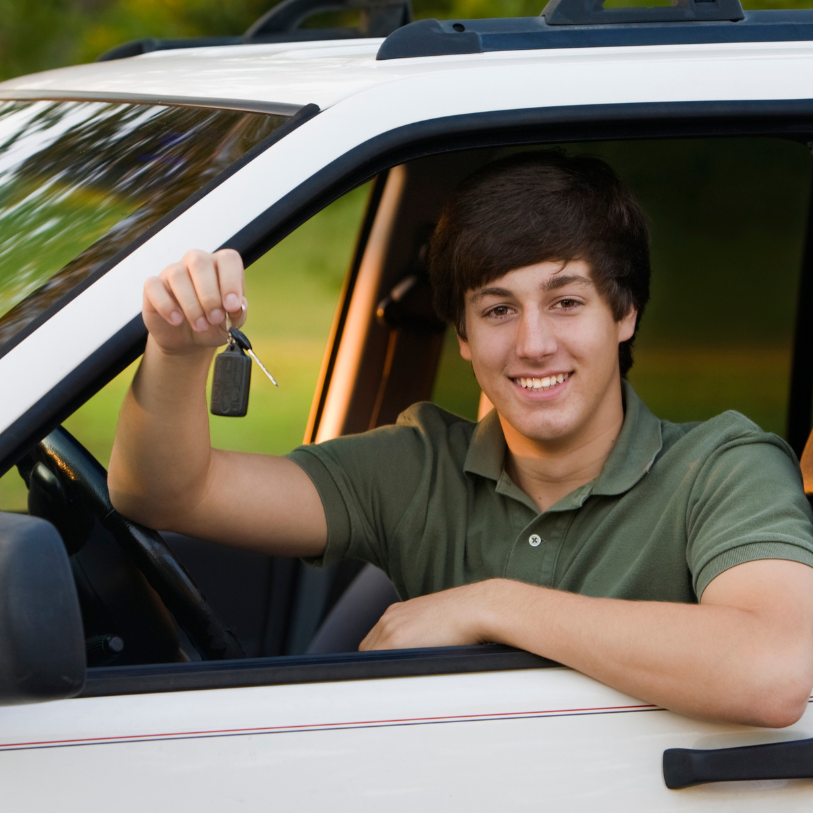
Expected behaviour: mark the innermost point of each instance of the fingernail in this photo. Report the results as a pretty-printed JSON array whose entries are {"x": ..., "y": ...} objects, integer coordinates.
[
  {"x": 202, "y": 324},
  {"x": 216, "y": 316},
  {"x": 232, "y": 302},
  {"x": 176, "y": 317}
]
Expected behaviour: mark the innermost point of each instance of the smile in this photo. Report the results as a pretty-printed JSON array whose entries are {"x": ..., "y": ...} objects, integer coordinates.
[{"x": 542, "y": 383}]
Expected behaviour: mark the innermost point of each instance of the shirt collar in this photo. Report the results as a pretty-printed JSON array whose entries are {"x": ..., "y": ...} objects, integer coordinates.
[
  {"x": 486, "y": 454},
  {"x": 633, "y": 454},
  {"x": 635, "y": 450}
]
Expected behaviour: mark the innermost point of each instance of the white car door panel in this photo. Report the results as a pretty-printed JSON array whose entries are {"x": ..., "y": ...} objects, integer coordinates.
[{"x": 525, "y": 738}]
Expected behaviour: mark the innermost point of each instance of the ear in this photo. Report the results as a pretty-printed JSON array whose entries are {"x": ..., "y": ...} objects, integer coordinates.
[
  {"x": 626, "y": 327},
  {"x": 465, "y": 350}
]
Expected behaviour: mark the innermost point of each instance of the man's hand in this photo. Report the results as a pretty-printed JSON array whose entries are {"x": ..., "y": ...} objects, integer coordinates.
[
  {"x": 449, "y": 618},
  {"x": 185, "y": 306}
]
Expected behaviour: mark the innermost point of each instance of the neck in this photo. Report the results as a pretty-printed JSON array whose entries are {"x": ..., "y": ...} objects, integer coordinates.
[{"x": 549, "y": 470}]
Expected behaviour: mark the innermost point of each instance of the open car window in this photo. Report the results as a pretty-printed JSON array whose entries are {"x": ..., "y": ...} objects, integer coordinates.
[
  {"x": 722, "y": 211},
  {"x": 81, "y": 181}
]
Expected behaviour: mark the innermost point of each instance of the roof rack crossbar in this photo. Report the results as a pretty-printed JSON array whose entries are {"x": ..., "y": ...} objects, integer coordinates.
[
  {"x": 426, "y": 38},
  {"x": 592, "y": 12}
]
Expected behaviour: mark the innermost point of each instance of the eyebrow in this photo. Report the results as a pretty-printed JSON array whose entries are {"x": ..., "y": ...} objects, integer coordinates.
[
  {"x": 484, "y": 292},
  {"x": 556, "y": 282},
  {"x": 553, "y": 284}
]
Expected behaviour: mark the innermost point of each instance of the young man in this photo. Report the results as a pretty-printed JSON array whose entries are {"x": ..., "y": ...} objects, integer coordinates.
[{"x": 674, "y": 563}]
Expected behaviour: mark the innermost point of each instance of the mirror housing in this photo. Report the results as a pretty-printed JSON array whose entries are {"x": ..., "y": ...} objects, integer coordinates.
[{"x": 42, "y": 646}]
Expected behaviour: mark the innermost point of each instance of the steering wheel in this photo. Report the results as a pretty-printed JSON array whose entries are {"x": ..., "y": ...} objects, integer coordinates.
[{"x": 79, "y": 482}]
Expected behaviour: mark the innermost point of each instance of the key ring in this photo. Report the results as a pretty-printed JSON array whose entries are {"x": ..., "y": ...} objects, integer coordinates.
[{"x": 229, "y": 324}]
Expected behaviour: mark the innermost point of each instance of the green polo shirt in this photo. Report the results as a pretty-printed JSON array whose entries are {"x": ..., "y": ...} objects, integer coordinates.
[{"x": 429, "y": 502}]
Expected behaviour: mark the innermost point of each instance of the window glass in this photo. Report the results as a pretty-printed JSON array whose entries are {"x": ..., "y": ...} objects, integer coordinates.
[
  {"x": 79, "y": 181},
  {"x": 292, "y": 293}
]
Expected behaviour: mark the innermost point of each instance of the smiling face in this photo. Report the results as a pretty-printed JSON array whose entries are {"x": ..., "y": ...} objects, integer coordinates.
[{"x": 544, "y": 347}]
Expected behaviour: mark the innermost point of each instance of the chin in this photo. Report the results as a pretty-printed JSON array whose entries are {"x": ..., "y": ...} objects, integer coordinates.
[{"x": 542, "y": 431}]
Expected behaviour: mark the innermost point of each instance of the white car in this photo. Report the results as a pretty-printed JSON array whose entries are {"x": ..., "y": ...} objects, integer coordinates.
[{"x": 110, "y": 171}]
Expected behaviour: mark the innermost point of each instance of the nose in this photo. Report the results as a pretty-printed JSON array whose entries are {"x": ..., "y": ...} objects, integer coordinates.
[{"x": 536, "y": 339}]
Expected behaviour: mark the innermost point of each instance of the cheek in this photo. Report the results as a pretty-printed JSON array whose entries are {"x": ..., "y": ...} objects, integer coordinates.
[
  {"x": 592, "y": 341},
  {"x": 586, "y": 338}
]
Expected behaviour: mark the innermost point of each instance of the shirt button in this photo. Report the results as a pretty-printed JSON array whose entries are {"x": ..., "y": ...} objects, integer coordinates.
[{"x": 534, "y": 540}]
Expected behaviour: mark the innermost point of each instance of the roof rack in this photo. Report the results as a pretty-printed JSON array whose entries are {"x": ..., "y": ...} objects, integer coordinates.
[
  {"x": 586, "y": 24},
  {"x": 283, "y": 23}
]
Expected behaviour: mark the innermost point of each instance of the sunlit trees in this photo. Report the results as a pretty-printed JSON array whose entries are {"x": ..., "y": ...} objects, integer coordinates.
[{"x": 39, "y": 34}]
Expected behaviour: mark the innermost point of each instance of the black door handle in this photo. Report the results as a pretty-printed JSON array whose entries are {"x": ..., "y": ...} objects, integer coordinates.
[{"x": 684, "y": 767}]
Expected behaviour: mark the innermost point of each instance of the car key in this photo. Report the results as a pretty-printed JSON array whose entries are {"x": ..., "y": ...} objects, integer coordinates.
[
  {"x": 231, "y": 378},
  {"x": 243, "y": 343}
]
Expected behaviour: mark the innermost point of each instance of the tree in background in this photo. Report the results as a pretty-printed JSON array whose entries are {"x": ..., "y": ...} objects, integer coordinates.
[{"x": 36, "y": 35}]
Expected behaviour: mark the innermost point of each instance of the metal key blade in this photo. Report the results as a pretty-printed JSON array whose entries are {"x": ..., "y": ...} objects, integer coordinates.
[
  {"x": 242, "y": 341},
  {"x": 262, "y": 366}
]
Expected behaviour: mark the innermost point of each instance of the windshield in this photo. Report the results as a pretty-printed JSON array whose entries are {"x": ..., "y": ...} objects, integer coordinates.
[{"x": 80, "y": 181}]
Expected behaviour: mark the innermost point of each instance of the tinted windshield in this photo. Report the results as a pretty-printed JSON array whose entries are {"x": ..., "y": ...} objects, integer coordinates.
[{"x": 80, "y": 181}]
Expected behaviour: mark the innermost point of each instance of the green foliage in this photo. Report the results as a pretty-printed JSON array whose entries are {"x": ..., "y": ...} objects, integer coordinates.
[{"x": 36, "y": 36}]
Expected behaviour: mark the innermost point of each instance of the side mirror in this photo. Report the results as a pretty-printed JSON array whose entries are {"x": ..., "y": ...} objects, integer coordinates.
[{"x": 42, "y": 647}]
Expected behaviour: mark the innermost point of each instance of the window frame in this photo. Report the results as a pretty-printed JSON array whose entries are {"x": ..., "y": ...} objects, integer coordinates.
[{"x": 787, "y": 119}]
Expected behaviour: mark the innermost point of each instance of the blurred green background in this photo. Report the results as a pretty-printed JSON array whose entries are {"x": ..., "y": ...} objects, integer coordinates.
[
  {"x": 36, "y": 36},
  {"x": 727, "y": 215}
]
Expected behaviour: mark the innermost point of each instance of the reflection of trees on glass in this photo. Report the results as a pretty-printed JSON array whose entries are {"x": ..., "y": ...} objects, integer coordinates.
[{"x": 79, "y": 181}]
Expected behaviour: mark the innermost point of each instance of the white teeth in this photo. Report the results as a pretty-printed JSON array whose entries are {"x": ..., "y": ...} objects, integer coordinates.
[{"x": 543, "y": 383}]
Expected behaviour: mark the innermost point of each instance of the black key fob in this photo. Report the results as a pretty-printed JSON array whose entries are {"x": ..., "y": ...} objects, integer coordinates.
[{"x": 231, "y": 382}]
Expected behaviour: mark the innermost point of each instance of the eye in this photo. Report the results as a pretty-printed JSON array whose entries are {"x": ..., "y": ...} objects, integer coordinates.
[
  {"x": 568, "y": 304},
  {"x": 498, "y": 312}
]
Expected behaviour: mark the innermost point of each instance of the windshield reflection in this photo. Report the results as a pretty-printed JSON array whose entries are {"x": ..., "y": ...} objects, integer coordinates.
[{"x": 80, "y": 181}]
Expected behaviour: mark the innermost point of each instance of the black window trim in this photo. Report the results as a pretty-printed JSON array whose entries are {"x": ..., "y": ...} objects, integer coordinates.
[{"x": 289, "y": 669}]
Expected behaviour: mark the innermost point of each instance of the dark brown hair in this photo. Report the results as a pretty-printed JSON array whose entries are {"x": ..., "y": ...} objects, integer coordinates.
[{"x": 539, "y": 206}]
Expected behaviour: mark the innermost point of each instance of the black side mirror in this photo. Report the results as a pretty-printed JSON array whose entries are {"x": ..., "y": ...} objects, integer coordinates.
[{"x": 42, "y": 647}]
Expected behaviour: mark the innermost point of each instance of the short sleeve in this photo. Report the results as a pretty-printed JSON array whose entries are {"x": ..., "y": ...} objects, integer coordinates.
[
  {"x": 747, "y": 504},
  {"x": 366, "y": 482}
]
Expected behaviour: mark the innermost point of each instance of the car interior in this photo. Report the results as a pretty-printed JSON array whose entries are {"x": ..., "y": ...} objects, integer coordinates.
[{"x": 729, "y": 219}]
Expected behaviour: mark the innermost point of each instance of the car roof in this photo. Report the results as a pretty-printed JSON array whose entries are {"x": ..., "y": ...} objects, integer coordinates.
[
  {"x": 324, "y": 72},
  {"x": 295, "y": 73}
]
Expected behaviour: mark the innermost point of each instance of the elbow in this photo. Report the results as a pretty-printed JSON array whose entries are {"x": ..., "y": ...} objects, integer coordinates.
[
  {"x": 784, "y": 709},
  {"x": 781, "y": 714},
  {"x": 134, "y": 504},
  {"x": 133, "y": 508},
  {"x": 783, "y": 700}
]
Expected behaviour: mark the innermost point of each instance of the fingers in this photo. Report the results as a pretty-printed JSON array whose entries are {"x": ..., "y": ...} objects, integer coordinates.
[
  {"x": 203, "y": 275},
  {"x": 200, "y": 290},
  {"x": 158, "y": 298},
  {"x": 231, "y": 277},
  {"x": 178, "y": 279}
]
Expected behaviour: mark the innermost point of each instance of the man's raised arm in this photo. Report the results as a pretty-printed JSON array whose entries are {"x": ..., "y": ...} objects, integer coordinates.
[{"x": 163, "y": 471}]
